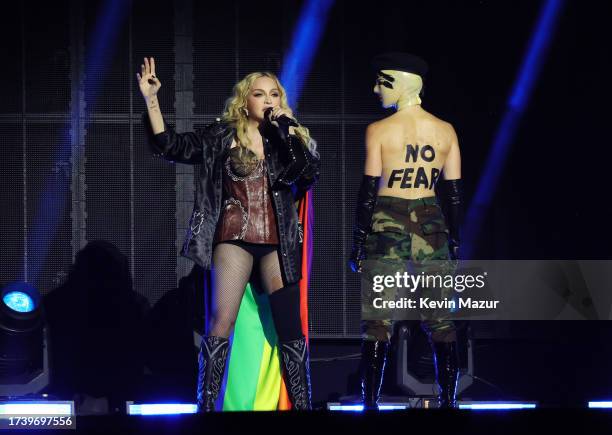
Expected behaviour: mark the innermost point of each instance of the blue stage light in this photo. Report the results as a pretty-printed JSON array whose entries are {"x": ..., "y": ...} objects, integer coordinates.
[
  {"x": 499, "y": 406},
  {"x": 51, "y": 408},
  {"x": 20, "y": 297},
  {"x": 22, "y": 350},
  {"x": 392, "y": 407},
  {"x": 359, "y": 408},
  {"x": 161, "y": 408},
  {"x": 19, "y": 301},
  {"x": 306, "y": 37},
  {"x": 601, "y": 405},
  {"x": 517, "y": 102},
  {"x": 355, "y": 408},
  {"x": 51, "y": 208}
]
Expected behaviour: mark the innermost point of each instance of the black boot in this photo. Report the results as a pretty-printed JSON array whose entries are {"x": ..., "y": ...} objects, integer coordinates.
[
  {"x": 373, "y": 358},
  {"x": 447, "y": 372},
  {"x": 296, "y": 365},
  {"x": 212, "y": 359}
]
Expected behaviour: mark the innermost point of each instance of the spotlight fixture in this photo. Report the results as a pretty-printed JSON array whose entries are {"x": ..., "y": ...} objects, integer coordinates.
[{"x": 23, "y": 356}]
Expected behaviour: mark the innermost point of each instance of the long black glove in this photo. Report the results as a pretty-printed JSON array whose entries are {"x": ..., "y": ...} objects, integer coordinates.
[
  {"x": 453, "y": 196},
  {"x": 366, "y": 201}
]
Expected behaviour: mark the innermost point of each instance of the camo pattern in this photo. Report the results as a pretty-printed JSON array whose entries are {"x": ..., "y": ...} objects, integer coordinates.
[{"x": 407, "y": 236}]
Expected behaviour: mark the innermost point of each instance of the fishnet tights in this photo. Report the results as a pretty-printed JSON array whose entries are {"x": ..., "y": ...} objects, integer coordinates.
[{"x": 232, "y": 267}]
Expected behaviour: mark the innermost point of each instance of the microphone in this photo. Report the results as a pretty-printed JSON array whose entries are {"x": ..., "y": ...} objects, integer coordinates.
[{"x": 283, "y": 120}]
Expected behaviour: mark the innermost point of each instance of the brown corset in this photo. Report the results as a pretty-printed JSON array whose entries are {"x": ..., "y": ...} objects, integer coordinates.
[{"x": 247, "y": 212}]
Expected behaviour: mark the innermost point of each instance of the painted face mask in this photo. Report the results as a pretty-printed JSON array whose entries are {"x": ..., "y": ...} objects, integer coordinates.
[{"x": 398, "y": 88}]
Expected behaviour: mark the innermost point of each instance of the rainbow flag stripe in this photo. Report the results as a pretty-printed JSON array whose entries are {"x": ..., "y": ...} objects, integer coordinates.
[{"x": 253, "y": 379}]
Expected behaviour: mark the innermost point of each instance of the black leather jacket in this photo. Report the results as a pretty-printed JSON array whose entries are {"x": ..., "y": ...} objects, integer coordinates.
[{"x": 208, "y": 147}]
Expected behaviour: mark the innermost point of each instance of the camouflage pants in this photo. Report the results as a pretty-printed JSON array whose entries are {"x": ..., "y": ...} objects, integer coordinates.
[{"x": 407, "y": 236}]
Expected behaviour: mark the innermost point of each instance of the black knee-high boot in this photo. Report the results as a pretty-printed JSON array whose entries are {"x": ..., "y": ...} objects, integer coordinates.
[
  {"x": 285, "y": 305},
  {"x": 296, "y": 366},
  {"x": 212, "y": 359},
  {"x": 373, "y": 359},
  {"x": 447, "y": 372}
]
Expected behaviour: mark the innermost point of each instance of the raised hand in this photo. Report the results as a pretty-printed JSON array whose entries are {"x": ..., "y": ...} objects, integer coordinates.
[{"x": 148, "y": 82}]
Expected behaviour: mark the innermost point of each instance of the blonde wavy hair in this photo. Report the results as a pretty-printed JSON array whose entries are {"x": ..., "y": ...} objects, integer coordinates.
[{"x": 234, "y": 113}]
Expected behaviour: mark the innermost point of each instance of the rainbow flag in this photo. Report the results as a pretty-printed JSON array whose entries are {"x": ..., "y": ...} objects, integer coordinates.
[{"x": 254, "y": 377}]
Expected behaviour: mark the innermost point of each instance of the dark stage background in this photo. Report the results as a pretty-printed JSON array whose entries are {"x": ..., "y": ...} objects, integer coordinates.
[{"x": 76, "y": 168}]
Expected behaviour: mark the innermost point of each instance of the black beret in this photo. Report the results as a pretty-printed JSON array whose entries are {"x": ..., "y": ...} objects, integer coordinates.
[{"x": 400, "y": 62}]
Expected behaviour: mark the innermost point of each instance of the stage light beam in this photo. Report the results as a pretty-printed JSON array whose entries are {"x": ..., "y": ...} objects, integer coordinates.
[
  {"x": 517, "y": 102},
  {"x": 304, "y": 44}
]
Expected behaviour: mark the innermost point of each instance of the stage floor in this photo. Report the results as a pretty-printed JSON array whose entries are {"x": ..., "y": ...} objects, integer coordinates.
[{"x": 324, "y": 422}]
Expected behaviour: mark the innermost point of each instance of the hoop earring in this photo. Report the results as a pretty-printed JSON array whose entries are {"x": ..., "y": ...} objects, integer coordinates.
[{"x": 246, "y": 111}]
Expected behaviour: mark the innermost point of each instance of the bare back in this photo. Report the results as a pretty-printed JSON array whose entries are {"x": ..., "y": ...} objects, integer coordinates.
[{"x": 410, "y": 150}]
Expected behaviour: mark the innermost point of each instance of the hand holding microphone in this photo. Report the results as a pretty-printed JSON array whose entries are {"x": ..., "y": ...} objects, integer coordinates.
[{"x": 278, "y": 115}]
